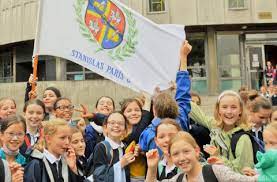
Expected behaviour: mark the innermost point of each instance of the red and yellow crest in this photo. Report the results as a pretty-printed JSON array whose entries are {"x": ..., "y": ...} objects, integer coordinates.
[{"x": 106, "y": 23}]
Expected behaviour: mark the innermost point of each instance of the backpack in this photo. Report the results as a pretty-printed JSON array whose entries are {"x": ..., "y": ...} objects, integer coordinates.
[
  {"x": 2, "y": 171},
  {"x": 109, "y": 153},
  {"x": 207, "y": 172},
  {"x": 257, "y": 144}
]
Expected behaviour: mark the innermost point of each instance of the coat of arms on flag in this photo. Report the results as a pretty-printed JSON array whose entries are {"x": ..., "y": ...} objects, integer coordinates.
[{"x": 104, "y": 23}]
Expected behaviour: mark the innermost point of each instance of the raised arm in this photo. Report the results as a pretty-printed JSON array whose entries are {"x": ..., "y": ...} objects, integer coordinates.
[{"x": 182, "y": 96}]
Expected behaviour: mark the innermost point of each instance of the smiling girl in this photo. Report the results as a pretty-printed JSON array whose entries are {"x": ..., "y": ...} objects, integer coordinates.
[
  {"x": 110, "y": 162},
  {"x": 50, "y": 96},
  {"x": 165, "y": 131},
  {"x": 34, "y": 111},
  {"x": 137, "y": 122},
  {"x": 229, "y": 118},
  {"x": 94, "y": 131},
  {"x": 7, "y": 107},
  {"x": 185, "y": 154},
  {"x": 12, "y": 135}
]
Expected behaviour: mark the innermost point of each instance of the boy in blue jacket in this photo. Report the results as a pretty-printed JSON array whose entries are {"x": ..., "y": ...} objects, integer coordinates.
[{"x": 165, "y": 107}]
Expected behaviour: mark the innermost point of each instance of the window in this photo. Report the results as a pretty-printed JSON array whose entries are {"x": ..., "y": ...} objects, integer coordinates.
[
  {"x": 156, "y": 5},
  {"x": 6, "y": 67},
  {"x": 229, "y": 64},
  {"x": 197, "y": 64},
  {"x": 77, "y": 72},
  {"x": 237, "y": 4},
  {"x": 46, "y": 70}
]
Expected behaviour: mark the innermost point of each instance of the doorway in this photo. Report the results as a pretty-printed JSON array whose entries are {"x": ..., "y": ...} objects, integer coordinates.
[
  {"x": 257, "y": 55},
  {"x": 255, "y": 64},
  {"x": 270, "y": 56}
]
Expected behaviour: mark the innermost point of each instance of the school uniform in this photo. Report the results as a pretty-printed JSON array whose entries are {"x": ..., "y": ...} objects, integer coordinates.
[
  {"x": 258, "y": 133},
  {"x": 165, "y": 172},
  {"x": 82, "y": 167},
  {"x": 29, "y": 141},
  {"x": 108, "y": 169},
  {"x": 274, "y": 100},
  {"x": 45, "y": 167},
  {"x": 5, "y": 172},
  {"x": 94, "y": 133}
]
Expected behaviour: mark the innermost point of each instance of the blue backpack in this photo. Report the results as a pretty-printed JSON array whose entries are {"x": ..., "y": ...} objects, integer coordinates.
[{"x": 257, "y": 144}]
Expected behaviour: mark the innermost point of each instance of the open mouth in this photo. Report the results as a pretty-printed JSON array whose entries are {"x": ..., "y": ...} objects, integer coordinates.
[
  {"x": 228, "y": 117},
  {"x": 14, "y": 144},
  {"x": 134, "y": 118},
  {"x": 34, "y": 121},
  {"x": 116, "y": 131},
  {"x": 184, "y": 164}
]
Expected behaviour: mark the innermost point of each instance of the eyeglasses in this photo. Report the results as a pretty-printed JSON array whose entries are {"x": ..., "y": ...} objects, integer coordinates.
[
  {"x": 113, "y": 123},
  {"x": 63, "y": 108},
  {"x": 12, "y": 135}
]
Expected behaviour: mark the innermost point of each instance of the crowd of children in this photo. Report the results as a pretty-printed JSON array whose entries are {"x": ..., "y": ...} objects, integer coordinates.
[{"x": 173, "y": 141}]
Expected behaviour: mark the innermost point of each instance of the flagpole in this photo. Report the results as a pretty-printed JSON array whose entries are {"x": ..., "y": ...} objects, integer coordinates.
[{"x": 35, "y": 66}]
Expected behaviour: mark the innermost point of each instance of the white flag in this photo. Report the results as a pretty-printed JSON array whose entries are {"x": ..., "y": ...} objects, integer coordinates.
[{"x": 110, "y": 39}]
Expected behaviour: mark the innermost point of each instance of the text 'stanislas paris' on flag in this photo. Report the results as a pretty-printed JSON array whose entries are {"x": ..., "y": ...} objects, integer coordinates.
[{"x": 110, "y": 39}]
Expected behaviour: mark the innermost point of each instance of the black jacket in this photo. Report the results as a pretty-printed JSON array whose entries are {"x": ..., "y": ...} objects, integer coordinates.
[{"x": 35, "y": 171}]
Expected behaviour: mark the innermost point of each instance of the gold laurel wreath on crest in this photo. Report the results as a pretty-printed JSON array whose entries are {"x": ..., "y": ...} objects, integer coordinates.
[{"x": 127, "y": 49}]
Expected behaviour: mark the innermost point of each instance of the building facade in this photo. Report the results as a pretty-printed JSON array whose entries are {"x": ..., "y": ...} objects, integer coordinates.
[{"x": 231, "y": 39}]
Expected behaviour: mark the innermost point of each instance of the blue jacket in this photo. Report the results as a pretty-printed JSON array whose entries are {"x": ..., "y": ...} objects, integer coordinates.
[
  {"x": 92, "y": 137},
  {"x": 146, "y": 140}
]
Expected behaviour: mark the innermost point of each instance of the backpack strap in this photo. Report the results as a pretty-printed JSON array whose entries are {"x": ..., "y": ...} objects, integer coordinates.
[
  {"x": 208, "y": 173},
  {"x": 180, "y": 177},
  {"x": 2, "y": 171},
  {"x": 109, "y": 151},
  {"x": 234, "y": 140}
]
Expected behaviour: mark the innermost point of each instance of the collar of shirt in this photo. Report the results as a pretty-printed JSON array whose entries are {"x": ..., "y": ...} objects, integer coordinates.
[
  {"x": 50, "y": 157},
  {"x": 167, "y": 168},
  {"x": 255, "y": 130},
  {"x": 99, "y": 129},
  {"x": 113, "y": 144},
  {"x": 35, "y": 135}
]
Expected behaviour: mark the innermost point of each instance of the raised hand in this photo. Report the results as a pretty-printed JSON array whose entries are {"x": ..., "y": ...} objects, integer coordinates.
[
  {"x": 32, "y": 79},
  {"x": 152, "y": 158},
  {"x": 184, "y": 51},
  {"x": 211, "y": 149},
  {"x": 84, "y": 112},
  {"x": 70, "y": 158},
  {"x": 81, "y": 125}
]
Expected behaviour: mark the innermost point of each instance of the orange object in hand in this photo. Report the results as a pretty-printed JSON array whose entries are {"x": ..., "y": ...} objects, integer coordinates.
[{"x": 131, "y": 147}]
